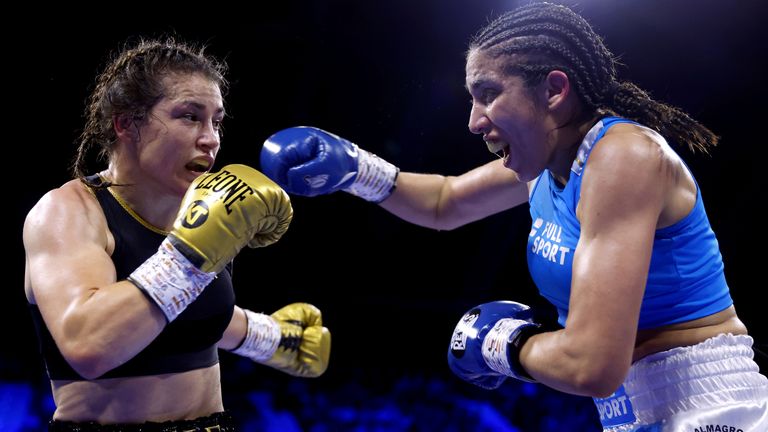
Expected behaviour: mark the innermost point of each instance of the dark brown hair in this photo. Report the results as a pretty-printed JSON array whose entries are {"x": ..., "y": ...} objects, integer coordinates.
[{"x": 131, "y": 84}]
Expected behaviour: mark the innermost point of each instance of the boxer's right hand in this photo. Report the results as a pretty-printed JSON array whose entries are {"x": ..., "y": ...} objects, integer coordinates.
[
  {"x": 220, "y": 213},
  {"x": 310, "y": 161},
  {"x": 225, "y": 210}
]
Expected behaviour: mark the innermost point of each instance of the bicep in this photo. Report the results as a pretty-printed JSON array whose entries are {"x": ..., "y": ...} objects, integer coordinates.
[
  {"x": 66, "y": 255},
  {"x": 621, "y": 199}
]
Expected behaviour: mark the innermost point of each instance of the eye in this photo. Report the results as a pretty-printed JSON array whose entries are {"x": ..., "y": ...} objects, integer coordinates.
[
  {"x": 190, "y": 116},
  {"x": 217, "y": 124},
  {"x": 485, "y": 96},
  {"x": 488, "y": 95}
]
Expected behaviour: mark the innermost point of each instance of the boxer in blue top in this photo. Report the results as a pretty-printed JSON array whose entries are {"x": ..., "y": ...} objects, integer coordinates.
[{"x": 619, "y": 243}]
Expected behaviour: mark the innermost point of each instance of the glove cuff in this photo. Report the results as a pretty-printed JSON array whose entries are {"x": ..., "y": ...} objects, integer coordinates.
[
  {"x": 501, "y": 347},
  {"x": 170, "y": 280},
  {"x": 375, "y": 179},
  {"x": 261, "y": 339}
]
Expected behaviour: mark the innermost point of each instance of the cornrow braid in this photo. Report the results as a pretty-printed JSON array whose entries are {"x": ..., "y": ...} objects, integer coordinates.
[
  {"x": 131, "y": 84},
  {"x": 541, "y": 37}
]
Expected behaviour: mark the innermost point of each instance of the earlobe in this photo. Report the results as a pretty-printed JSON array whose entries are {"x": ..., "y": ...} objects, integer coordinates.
[{"x": 558, "y": 88}]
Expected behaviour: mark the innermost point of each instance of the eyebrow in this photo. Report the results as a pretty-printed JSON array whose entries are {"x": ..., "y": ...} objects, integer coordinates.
[
  {"x": 474, "y": 85},
  {"x": 202, "y": 107}
]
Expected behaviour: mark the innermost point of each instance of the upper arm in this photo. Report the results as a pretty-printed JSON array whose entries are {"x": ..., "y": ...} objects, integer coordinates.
[
  {"x": 622, "y": 196},
  {"x": 65, "y": 241},
  {"x": 442, "y": 202}
]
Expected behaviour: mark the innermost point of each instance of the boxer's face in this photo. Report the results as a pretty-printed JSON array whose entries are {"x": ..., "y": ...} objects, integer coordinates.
[
  {"x": 507, "y": 114},
  {"x": 181, "y": 137}
]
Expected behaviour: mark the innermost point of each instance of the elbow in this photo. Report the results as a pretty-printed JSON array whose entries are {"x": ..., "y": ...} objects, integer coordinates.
[
  {"x": 442, "y": 224},
  {"x": 599, "y": 382},
  {"x": 592, "y": 369},
  {"x": 598, "y": 388},
  {"x": 447, "y": 215},
  {"x": 88, "y": 361},
  {"x": 446, "y": 219}
]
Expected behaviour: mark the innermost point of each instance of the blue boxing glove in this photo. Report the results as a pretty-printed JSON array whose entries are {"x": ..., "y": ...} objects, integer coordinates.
[
  {"x": 485, "y": 345},
  {"x": 310, "y": 161}
]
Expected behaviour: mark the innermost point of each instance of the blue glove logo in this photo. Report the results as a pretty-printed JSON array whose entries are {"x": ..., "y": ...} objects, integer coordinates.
[
  {"x": 465, "y": 326},
  {"x": 316, "y": 181}
]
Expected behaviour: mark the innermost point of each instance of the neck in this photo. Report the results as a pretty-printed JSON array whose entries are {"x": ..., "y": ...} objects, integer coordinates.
[
  {"x": 570, "y": 136},
  {"x": 144, "y": 199}
]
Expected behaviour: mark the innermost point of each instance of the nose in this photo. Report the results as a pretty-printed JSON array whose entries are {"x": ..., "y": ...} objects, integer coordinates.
[
  {"x": 209, "y": 137},
  {"x": 478, "y": 121}
]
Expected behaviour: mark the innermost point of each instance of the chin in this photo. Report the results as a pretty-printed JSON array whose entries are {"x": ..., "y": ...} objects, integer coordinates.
[
  {"x": 190, "y": 176},
  {"x": 182, "y": 184},
  {"x": 520, "y": 173}
]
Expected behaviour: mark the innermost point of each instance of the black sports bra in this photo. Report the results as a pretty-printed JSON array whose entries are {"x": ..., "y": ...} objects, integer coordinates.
[{"x": 187, "y": 343}]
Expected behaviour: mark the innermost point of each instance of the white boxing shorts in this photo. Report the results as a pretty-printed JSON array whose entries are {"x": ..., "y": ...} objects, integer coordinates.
[{"x": 713, "y": 386}]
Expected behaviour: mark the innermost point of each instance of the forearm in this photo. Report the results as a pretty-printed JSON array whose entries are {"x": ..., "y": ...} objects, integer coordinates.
[
  {"x": 446, "y": 203},
  {"x": 417, "y": 199},
  {"x": 236, "y": 330},
  {"x": 559, "y": 360},
  {"x": 499, "y": 339},
  {"x": 107, "y": 327},
  {"x": 309, "y": 161}
]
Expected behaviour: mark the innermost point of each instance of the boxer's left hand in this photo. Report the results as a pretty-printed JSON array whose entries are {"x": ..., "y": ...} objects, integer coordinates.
[{"x": 485, "y": 345}]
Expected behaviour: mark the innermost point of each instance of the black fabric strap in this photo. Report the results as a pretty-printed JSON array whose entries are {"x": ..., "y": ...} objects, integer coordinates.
[
  {"x": 218, "y": 422},
  {"x": 513, "y": 351}
]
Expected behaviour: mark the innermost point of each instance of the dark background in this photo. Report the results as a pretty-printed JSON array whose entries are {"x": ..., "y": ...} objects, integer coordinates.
[{"x": 388, "y": 76}]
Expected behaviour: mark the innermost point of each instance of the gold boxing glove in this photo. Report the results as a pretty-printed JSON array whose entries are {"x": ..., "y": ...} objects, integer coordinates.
[
  {"x": 224, "y": 211},
  {"x": 292, "y": 340},
  {"x": 220, "y": 213}
]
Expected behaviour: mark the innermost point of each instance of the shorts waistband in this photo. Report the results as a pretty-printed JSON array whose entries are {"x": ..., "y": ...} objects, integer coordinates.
[
  {"x": 717, "y": 372},
  {"x": 217, "y": 422}
]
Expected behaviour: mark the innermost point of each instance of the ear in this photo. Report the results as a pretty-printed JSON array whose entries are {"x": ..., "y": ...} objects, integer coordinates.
[
  {"x": 125, "y": 127},
  {"x": 558, "y": 87}
]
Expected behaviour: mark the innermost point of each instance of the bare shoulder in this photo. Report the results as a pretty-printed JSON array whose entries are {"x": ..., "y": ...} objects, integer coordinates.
[
  {"x": 70, "y": 210},
  {"x": 628, "y": 171},
  {"x": 639, "y": 161},
  {"x": 634, "y": 156},
  {"x": 628, "y": 146}
]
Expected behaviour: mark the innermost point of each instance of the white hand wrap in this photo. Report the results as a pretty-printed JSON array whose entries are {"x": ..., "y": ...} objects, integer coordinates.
[
  {"x": 496, "y": 347},
  {"x": 261, "y": 339},
  {"x": 170, "y": 279},
  {"x": 375, "y": 179}
]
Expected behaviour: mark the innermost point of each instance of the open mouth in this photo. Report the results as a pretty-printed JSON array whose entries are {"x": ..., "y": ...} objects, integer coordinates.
[
  {"x": 500, "y": 149},
  {"x": 199, "y": 165}
]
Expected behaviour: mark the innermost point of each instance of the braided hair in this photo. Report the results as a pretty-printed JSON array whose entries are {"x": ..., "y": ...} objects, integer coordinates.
[
  {"x": 131, "y": 84},
  {"x": 540, "y": 37}
]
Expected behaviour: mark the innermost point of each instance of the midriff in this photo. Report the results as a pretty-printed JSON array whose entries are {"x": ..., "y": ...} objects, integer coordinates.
[
  {"x": 157, "y": 398},
  {"x": 688, "y": 333}
]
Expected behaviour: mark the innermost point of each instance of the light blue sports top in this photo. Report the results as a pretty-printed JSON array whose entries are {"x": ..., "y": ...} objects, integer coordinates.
[{"x": 685, "y": 280}]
